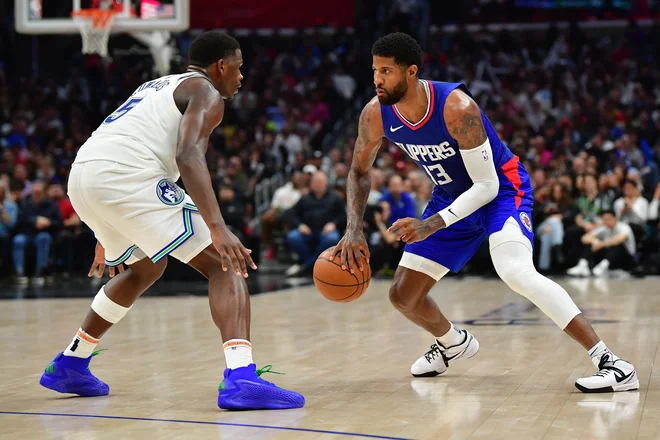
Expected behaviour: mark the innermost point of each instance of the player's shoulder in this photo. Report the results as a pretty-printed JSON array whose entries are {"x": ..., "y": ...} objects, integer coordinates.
[
  {"x": 199, "y": 89},
  {"x": 458, "y": 103},
  {"x": 372, "y": 116}
]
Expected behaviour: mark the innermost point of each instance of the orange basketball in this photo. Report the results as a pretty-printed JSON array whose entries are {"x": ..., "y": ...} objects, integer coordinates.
[{"x": 336, "y": 284}]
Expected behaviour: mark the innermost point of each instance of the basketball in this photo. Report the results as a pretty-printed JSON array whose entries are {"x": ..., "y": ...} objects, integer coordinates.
[{"x": 336, "y": 284}]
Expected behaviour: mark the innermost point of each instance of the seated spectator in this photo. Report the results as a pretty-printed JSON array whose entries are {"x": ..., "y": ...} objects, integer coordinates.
[
  {"x": 609, "y": 246},
  {"x": 284, "y": 199},
  {"x": 589, "y": 204},
  {"x": 8, "y": 217},
  {"x": 632, "y": 208},
  {"x": 39, "y": 220},
  {"x": 315, "y": 218},
  {"x": 385, "y": 250},
  {"x": 234, "y": 212},
  {"x": 65, "y": 240},
  {"x": 557, "y": 210},
  {"x": 401, "y": 203},
  {"x": 377, "y": 183}
]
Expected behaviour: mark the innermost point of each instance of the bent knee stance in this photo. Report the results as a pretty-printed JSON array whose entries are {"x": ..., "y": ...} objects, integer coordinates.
[{"x": 514, "y": 265}]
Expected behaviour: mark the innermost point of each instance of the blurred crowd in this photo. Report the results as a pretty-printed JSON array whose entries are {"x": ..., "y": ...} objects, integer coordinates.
[{"x": 582, "y": 113}]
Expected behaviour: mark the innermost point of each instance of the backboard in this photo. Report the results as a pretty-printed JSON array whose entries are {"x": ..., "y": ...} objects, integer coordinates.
[{"x": 54, "y": 16}]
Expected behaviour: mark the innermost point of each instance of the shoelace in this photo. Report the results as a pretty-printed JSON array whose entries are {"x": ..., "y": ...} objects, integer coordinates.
[
  {"x": 433, "y": 353},
  {"x": 267, "y": 369},
  {"x": 604, "y": 370},
  {"x": 96, "y": 353}
]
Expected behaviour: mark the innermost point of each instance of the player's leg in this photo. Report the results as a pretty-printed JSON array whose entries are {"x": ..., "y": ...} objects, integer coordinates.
[
  {"x": 110, "y": 305},
  {"x": 229, "y": 299},
  {"x": 511, "y": 251},
  {"x": 413, "y": 280}
]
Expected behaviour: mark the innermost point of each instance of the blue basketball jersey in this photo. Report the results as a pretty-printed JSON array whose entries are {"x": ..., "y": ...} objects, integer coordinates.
[
  {"x": 433, "y": 149},
  {"x": 430, "y": 145}
]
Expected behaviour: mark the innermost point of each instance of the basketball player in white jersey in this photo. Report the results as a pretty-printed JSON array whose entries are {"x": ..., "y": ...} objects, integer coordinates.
[{"x": 122, "y": 184}]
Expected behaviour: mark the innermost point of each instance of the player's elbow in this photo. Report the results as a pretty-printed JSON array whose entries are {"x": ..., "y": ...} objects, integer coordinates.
[{"x": 488, "y": 189}]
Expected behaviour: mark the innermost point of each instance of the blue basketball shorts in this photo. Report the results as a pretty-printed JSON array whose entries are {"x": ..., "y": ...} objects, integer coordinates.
[{"x": 453, "y": 246}]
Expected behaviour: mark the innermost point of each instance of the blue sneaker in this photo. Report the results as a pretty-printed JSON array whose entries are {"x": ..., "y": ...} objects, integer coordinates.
[
  {"x": 71, "y": 375},
  {"x": 243, "y": 388}
]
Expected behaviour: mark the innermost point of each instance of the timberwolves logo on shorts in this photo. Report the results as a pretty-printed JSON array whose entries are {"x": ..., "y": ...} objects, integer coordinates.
[
  {"x": 524, "y": 219},
  {"x": 169, "y": 193}
]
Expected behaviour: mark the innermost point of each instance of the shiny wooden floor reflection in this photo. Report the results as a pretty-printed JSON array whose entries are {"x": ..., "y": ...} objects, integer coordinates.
[{"x": 351, "y": 361}]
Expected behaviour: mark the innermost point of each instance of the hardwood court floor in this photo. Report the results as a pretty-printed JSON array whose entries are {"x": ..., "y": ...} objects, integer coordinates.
[{"x": 351, "y": 361}]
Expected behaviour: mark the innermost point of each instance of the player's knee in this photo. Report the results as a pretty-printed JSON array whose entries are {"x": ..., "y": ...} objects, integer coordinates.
[
  {"x": 150, "y": 273},
  {"x": 513, "y": 274},
  {"x": 401, "y": 300}
]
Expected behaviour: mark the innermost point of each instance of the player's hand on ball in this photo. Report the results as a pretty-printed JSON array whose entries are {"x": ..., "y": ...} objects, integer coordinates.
[
  {"x": 231, "y": 249},
  {"x": 98, "y": 265},
  {"x": 353, "y": 251},
  {"x": 410, "y": 230}
]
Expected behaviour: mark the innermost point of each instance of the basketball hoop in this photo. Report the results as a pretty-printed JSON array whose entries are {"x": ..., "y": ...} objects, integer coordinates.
[{"x": 95, "y": 26}]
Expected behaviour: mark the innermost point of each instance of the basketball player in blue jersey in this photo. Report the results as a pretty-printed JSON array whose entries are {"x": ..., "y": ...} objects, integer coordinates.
[{"x": 482, "y": 190}]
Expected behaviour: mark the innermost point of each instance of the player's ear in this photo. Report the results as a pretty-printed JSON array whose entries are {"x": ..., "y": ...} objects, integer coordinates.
[
  {"x": 221, "y": 66},
  {"x": 412, "y": 70}
]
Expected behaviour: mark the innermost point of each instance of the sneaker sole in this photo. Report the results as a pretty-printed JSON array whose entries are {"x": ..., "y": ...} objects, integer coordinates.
[{"x": 633, "y": 386}]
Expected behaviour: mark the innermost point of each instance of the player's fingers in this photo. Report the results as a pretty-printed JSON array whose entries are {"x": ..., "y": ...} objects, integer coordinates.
[
  {"x": 111, "y": 271},
  {"x": 91, "y": 270},
  {"x": 336, "y": 251},
  {"x": 240, "y": 257},
  {"x": 101, "y": 270},
  {"x": 344, "y": 259},
  {"x": 121, "y": 268},
  {"x": 248, "y": 258},
  {"x": 234, "y": 262},
  {"x": 223, "y": 259},
  {"x": 351, "y": 265}
]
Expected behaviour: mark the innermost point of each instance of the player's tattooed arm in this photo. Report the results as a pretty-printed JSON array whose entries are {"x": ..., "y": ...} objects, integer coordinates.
[
  {"x": 359, "y": 177},
  {"x": 463, "y": 119},
  {"x": 370, "y": 133}
]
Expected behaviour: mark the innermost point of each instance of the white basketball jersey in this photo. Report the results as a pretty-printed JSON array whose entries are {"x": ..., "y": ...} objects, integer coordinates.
[{"x": 142, "y": 132}]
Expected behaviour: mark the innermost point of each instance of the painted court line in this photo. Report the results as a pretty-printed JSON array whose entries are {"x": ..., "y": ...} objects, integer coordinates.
[{"x": 199, "y": 422}]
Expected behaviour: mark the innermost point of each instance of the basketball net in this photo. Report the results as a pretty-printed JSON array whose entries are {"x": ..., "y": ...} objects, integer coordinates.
[{"x": 95, "y": 25}]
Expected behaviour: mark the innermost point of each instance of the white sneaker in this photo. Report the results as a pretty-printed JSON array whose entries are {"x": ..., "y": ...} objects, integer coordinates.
[
  {"x": 612, "y": 376},
  {"x": 581, "y": 270},
  {"x": 437, "y": 359},
  {"x": 601, "y": 269},
  {"x": 293, "y": 270}
]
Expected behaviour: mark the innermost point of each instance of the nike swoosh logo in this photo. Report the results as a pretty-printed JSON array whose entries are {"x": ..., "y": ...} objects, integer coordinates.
[
  {"x": 620, "y": 376},
  {"x": 392, "y": 129},
  {"x": 452, "y": 213}
]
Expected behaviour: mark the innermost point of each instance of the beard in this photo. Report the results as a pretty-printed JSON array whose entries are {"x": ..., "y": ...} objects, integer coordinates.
[{"x": 395, "y": 95}]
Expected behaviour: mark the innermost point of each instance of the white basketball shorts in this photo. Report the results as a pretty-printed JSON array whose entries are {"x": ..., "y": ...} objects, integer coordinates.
[{"x": 136, "y": 213}]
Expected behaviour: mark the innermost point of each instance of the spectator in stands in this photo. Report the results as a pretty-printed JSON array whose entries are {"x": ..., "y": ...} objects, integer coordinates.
[
  {"x": 589, "y": 204},
  {"x": 557, "y": 210},
  {"x": 65, "y": 239},
  {"x": 233, "y": 211},
  {"x": 632, "y": 208},
  {"x": 8, "y": 218},
  {"x": 377, "y": 183},
  {"x": 608, "y": 246},
  {"x": 315, "y": 218},
  {"x": 401, "y": 204},
  {"x": 284, "y": 199},
  {"x": 39, "y": 220},
  {"x": 21, "y": 175}
]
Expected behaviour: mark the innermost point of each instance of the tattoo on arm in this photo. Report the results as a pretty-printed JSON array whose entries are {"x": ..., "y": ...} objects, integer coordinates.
[
  {"x": 359, "y": 178},
  {"x": 466, "y": 125}
]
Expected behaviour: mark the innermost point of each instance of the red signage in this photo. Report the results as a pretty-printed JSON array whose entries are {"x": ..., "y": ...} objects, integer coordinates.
[{"x": 232, "y": 14}]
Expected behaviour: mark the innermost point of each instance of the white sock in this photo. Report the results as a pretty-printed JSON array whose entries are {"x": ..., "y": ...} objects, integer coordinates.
[
  {"x": 598, "y": 350},
  {"x": 82, "y": 345},
  {"x": 238, "y": 353},
  {"x": 453, "y": 337}
]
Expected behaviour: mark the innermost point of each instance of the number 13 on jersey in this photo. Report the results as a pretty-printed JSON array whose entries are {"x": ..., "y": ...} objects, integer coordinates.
[
  {"x": 121, "y": 111},
  {"x": 437, "y": 174}
]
